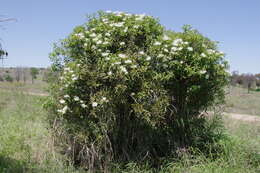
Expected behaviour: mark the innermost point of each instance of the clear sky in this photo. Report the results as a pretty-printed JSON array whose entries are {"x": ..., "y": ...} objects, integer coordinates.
[{"x": 40, "y": 23}]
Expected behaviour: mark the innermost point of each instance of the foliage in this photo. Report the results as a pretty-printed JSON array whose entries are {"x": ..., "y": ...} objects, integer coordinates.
[
  {"x": 34, "y": 72},
  {"x": 130, "y": 90},
  {"x": 8, "y": 78}
]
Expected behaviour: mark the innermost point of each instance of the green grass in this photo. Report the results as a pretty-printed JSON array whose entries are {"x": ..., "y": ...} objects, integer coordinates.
[
  {"x": 26, "y": 144},
  {"x": 37, "y": 87},
  {"x": 240, "y": 101}
]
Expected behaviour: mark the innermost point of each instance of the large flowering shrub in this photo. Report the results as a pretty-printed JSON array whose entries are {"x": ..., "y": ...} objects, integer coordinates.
[{"x": 126, "y": 84}]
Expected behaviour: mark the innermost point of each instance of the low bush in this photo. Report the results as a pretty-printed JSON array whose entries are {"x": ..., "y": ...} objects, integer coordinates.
[
  {"x": 8, "y": 78},
  {"x": 130, "y": 91}
]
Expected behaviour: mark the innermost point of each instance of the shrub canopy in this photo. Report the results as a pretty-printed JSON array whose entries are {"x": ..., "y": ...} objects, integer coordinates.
[{"x": 124, "y": 83}]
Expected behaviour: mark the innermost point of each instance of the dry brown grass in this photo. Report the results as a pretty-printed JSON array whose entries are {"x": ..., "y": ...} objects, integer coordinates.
[{"x": 240, "y": 101}]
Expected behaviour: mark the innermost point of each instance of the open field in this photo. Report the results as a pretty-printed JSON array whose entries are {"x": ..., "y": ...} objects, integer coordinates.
[
  {"x": 26, "y": 144},
  {"x": 240, "y": 101},
  {"x": 37, "y": 87}
]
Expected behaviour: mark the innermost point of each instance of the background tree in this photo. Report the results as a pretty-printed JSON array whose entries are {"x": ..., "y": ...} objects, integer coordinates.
[
  {"x": 249, "y": 81},
  {"x": 34, "y": 72},
  {"x": 18, "y": 74},
  {"x": 1, "y": 78},
  {"x": 8, "y": 78},
  {"x": 257, "y": 76}
]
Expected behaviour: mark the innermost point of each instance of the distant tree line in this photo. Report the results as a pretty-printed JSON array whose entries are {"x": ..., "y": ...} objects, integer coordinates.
[
  {"x": 246, "y": 80},
  {"x": 20, "y": 74}
]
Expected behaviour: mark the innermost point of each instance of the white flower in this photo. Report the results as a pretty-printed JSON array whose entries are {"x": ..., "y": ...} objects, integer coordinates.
[
  {"x": 93, "y": 35},
  {"x": 203, "y": 55},
  {"x": 107, "y": 34},
  {"x": 190, "y": 49},
  {"x": 174, "y": 49},
  {"x": 104, "y": 99},
  {"x": 85, "y": 44},
  {"x": 123, "y": 69},
  {"x": 63, "y": 110},
  {"x": 148, "y": 58},
  {"x": 122, "y": 43},
  {"x": 76, "y": 98},
  {"x": 221, "y": 53},
  {"x": 165, "y": 37},
  {"x": 96, "y": 39},
  {"x": 83, "y": 105},
  {"x": 128, "y": 61},
  {"x": 105, "y": 20},
  {"x": 181, "y": 62},
  {"x": 177, "y": 42},
  {"x": 141, "y": 52},
  {"x": 160, "y": 55},
  {"x": 99, "y": 42},
  {"x": 180, "y": 48},
  {"x": 157, "y": 43},
  {"x": 117, "y": 63},
  {"x": 80, "y": 35},
  {"x": 66, "y": 96},
  {"x": 109, "y": 73},
  {"x": 78, "y": 65},
  {"x": 165, "y": 50},
  {"x": 67, "y": 69},
  {"x": 62, "y": 101},
  {"x": 105, "y": 42},
  {"x": 126, "y": 29},
  {"x": 210, "y": 51},
  {"x": 135, "y": 26},
  {"x": 140, "y": 17},
  {"x": 105, "y": 54},
  {"x": 120, "y": 24},
  {"x": 74, "y": 78},
  {"x": 122, "y": 55},
  {"x": 186, "y": 42},
  {"x": 94, "y": 104},
  {"x": 203, "y": 71}
]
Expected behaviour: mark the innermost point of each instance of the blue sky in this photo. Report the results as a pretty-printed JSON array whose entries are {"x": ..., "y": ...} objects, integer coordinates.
[{"x": 234, "y": 23}]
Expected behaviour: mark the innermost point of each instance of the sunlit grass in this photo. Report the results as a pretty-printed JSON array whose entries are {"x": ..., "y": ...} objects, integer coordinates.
[
  {"x": 240, "y": 101},
  {"x": 26, "y": 144}
]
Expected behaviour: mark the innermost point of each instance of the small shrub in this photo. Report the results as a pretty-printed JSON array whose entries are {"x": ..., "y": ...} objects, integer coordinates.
[
  {"x": 8, "y": 78},
  {"x": 129, "y": 90}
]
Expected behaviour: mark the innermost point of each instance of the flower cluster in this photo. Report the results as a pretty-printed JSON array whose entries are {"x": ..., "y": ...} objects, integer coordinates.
[{"x": 108, "y": 41}]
